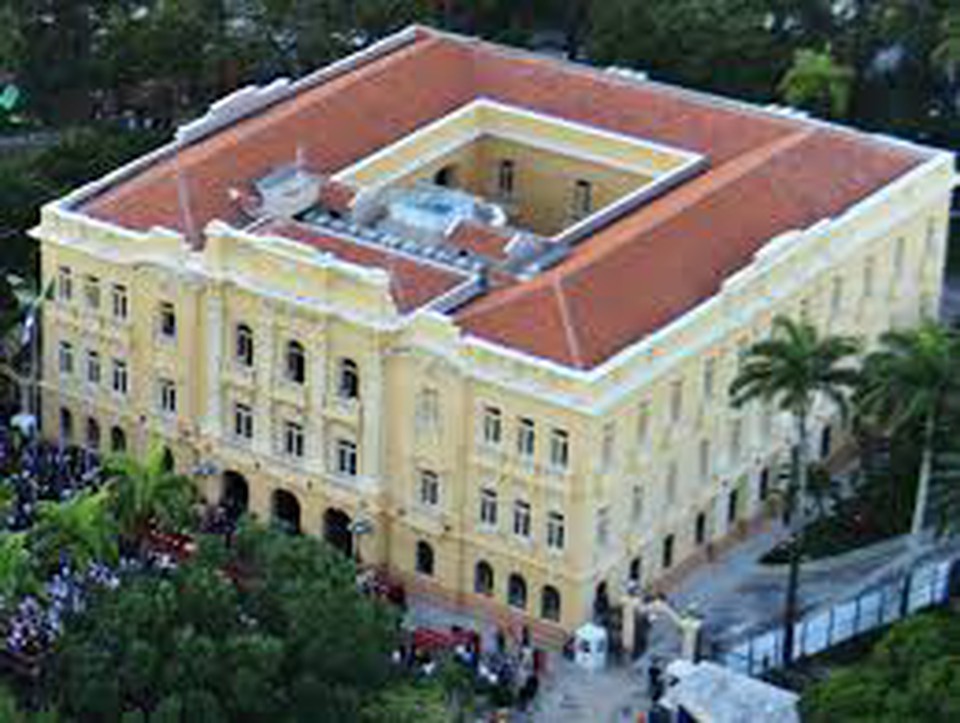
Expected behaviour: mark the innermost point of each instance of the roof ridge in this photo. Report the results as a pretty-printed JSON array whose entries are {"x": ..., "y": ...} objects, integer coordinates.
[
  {"x": 657, "y": 213},
  {"x": 569, "y": 329}
]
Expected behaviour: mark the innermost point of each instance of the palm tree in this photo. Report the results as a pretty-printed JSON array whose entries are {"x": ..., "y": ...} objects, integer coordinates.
[
  {"x": 147, "y": 494},
  {"x": 908, "y": 384},
  {"x": 817, "y": 82},
  {"x": 793, "y": 369},
  {"x": 81, "y": 528}
]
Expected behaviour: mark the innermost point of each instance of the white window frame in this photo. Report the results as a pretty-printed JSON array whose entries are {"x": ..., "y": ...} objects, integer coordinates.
[
  {"x": 120, "y": 377},
  {"x": 526, "y": 437},
  {"x": 522, "y": 519},
  {"x": 168, "y": 396},
  {"x": 556, "y": 530},
  {"x": 492, "y": 425},
  {"x": 167, "y": 312},
  {"x": 120, "y": 302},
  {"x": 94, "y": 372},
  {"x": 429, "y": 492},
  {"x": 293, "y": 439},
  {"x": 489, "y": 507},
  {"x": 346, "y": 457},
  {"x": 243, "y": 428},
  {"x": 91, "y": 292},
  {"x": 559, "y": 448},
  {"x": 65, "y": 358}
]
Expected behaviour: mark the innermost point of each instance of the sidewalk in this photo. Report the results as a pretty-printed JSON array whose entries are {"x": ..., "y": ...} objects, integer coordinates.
[{"x": 735, "y": 594}]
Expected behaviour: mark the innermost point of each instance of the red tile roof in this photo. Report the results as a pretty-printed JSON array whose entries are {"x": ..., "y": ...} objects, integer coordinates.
[
  {"x": 413, "y": 283},
  {"x": 480, "y": 239},
  {"x": 767, "y": 174}
]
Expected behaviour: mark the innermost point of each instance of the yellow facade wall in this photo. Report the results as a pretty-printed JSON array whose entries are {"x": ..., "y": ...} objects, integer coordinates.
[{"x": 338, "y": 311}]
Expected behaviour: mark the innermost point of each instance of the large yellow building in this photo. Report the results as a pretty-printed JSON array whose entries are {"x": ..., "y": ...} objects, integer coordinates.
[{"x": 484, "y": 303}]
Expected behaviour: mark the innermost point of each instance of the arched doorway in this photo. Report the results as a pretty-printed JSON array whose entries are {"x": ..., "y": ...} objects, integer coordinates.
[
  {"x": 601, "y": 604},
  {"x": 425, "y": 561},
  {"x": 826, "y": 441},
  {"x": 337, "y": 532},
  {"x": 286, "y": 512},
  {"x": 235, "y": 495},
  {"x": 446, "y": 177},
  {"x": 169, "y": 463}
]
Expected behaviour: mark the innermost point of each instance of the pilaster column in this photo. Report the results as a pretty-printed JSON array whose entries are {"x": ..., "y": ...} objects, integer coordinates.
[{"x": 213, "y": 412}]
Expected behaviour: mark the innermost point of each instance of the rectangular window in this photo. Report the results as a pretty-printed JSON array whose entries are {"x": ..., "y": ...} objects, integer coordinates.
[
  {"x": 676, "y": 401},
  {"x": 293, "y": 439},
  {"x": 868, "y": 272},
  {"x": 120, "y": 381},
  {"x": 643, "y": 423},
  {"x": 556, "y": 531},
  {"x": 506, "y": 178},
  {"x": 899, "y": 252},
  {"x": 168, "y": 396},
  {"x": 709, "y": 374},
  {"x": 736, "y": 440},
  {"x": 492, "y": 425},
  {"x": 705, "y": 460},
  {"x": 428, "y": 410},
  {"x": 64, "y": 283},
  {"x": 488, "y": 507},
  {"x": 243, "y": 421},
  {"x": 521, "y": 519},
  {"x": 582, "y": 199},
  {"x": 636, "y": 505},
  {"x": 673, "y": 473},
  {"x": 93, "y": 367},
  {"x": 346, "y": 458},
  {"x": 91, "y": 291},
  {"x": 168, "y": 320},
  {"x": 526, "y": 437},
  {"x": 120, "y": 302},
  {"x": 603, "y": 527},
  {"x": 608, "y": 446},
  {"x": 559, "y": 449},
  {"x": 836, "y": 295},
  {"x": 667, "y": 557},
  {"x": 429, "y": 488},
  {"x": 66, "y": 357}
]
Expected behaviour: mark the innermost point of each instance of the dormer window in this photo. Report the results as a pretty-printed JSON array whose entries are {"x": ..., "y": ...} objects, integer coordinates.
[{"x": 582, "y": 199}]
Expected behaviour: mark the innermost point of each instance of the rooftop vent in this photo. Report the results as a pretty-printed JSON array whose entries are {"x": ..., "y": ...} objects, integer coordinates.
[
  {"x": 288, "y": 191},
  {"x": 428, "y": 213}
]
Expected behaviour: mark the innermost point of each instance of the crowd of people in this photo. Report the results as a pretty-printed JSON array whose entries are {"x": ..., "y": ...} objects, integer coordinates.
[{"x": 38, "y": 471}]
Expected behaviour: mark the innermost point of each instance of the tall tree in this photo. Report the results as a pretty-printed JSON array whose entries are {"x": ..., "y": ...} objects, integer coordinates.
[
  {"x": 818, "y": 83},
  {"x": 80, "y": 529},
  {"x": 794, "y": 369},
  {"x": 147, "y": 494},
  {"x": 908, "y": 384}
]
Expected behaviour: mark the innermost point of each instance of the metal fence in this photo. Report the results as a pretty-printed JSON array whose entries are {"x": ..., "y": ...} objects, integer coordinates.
[{"x": 819, "y": 630}]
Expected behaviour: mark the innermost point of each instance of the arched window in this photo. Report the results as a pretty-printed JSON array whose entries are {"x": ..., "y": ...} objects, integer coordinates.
[
  {"x": 636, "y": 570},
  {"x": 93, "y": 434},
  {"x": 66, "y": 425},
  {"x": 517, "y": 591},
  {"x": 550, "y": 603},
  {"x": 446, "y": 176},
  {"x": 826, "y": 442},
  {"x": 118, "y": 440},
  {"x": 296, "y": 362},
  {"x": 700, "y": 533},
  {"x": 424, "y": 558},
  {"x": 286, "y": 512},
  {"x": 483, "y": 579},
  {"x": 348, "y": 386},
  {"x": 244, "y": 345}
]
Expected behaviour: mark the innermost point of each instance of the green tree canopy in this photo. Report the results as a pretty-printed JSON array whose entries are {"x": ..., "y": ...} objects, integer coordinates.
[
  {"x": 290, "y": 639},
  {"x": 913, "y": 675}
]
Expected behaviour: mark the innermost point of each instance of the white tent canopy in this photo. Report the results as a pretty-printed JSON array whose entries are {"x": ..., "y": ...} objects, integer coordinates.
[{"x": 714, "y": 694}]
